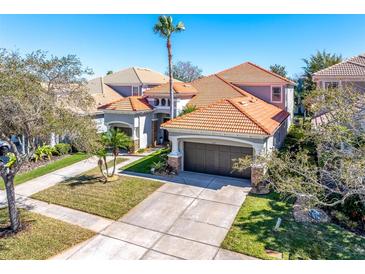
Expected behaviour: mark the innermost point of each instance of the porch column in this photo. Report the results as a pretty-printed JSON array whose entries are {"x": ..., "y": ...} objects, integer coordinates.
[
  {"x": 258, "y": 170},
  {"x": 135, "y": 139},
  {"x": 175, "y": 156}
]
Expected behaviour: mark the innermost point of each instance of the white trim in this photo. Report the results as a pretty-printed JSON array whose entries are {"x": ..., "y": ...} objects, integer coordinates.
[
  {"x": 281, "y": 93},
  {"x": 133, "y": 86},
  {"x": 129, "y": 112},
  {"x": 119, "y": 122},
  {"x": 216, "y": 133},
  {"x": 252, "y": 144}
]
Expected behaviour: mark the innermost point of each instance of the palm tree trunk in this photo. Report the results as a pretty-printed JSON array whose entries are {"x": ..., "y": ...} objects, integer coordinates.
[
  {"x": 106, "y": 166},
  {"x": 100, "y": 164},
  {"x": 10, "y": 194},
  {"x": 115, "y": 153},
  {"x": 172, "y": 105}
]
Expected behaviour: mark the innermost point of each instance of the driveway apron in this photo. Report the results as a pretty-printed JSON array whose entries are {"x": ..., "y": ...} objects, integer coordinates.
[{"x": 187, "y": 218}]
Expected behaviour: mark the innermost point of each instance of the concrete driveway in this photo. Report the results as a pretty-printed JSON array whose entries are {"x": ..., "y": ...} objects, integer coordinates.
[{"x": 187, "y": 218}]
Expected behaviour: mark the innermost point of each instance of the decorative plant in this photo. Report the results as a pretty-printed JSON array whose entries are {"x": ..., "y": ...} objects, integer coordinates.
[
  {"x": 62, "y": 148},
  {"x": 44, "y": 151},
  {"x": 114, "y": 140}
]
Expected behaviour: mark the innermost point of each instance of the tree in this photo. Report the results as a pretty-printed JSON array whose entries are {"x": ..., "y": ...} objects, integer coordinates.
[
  {"x": 165, "y": 28},
  {"x": 115, "y": 140},
  {"x": 279, "y": 69},
  {"x": 40, "y": 95},
  {"x": 327, "y": 164},
  {"x": 187, "y": 109},
  {"x": 109, "y": 72},
  {"x": 317, "y": 62},
  {"x": 186, "y": 71}
]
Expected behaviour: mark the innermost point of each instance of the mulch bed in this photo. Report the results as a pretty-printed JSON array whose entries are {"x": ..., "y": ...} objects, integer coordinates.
[{"x": 28, "y": 166}]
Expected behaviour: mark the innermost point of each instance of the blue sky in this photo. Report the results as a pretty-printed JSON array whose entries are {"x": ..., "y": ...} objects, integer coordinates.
[{"x": 213, "y": 42}]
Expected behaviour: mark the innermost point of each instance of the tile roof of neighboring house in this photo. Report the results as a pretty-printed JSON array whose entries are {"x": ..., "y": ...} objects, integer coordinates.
[
  {"x": 241, "y": 115},
  {"x": 131, "y": 103},
  {"x": 178, "y": 87},
  {"x": 101, "y": 93},
  {"x": 249, "y": 73},
  {"x": 135, "y": 75},
  {"x": 354, "y": 66}
]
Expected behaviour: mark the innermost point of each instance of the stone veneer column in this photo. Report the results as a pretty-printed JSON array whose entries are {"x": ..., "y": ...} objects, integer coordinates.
[
  {"x": 174, "y": 158},
  {"x": 258, "y": 185},
  {"x": 175, "y": 162}
]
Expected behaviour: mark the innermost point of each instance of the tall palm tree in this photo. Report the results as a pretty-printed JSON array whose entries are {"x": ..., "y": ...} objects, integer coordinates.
[{"x": 165, "y": 28}]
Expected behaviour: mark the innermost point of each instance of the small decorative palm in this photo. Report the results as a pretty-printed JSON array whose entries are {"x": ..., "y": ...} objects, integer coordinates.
[{"x": 114, "y": 140}]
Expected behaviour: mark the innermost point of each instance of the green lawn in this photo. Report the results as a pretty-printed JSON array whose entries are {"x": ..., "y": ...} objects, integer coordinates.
[
  {"x": 42, "y": 238},
  {"x": 252, "y": 232},
  {"x": 37, "y": 172},
  {"x": 143, "y": 165},
  {"x": 88, "y": 193}
]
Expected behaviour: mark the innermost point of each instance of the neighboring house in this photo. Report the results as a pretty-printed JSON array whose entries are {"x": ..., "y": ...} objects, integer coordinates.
[
  {"x": 128, "y": 82},
  {"x": 350, "y": 72},
  {"x": 134, "y": 81},
  {"x": 244, "y": 110}
]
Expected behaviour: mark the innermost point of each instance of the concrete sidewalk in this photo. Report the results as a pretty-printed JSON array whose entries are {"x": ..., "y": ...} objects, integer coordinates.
[{"x": 35, "y": 185}]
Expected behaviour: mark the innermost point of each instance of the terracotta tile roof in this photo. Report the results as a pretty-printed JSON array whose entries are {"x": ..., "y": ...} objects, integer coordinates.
[
  {"x": 178, "y": 87},
  {"x": 354, "y": 66},
  {"x": 135, "y": 75},
  {"x": 249, "y": 73},
  {"x": 131, "y": 103},
  {"x": 242, "y": 115},
  {"x": 211, "y": 89},
  {"x": 102, "y": 94}
]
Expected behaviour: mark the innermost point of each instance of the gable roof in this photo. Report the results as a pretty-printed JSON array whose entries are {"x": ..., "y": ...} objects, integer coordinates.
[
  {"x": 211, "y": 89},
  {"x": 354, "y": 66},
  {"x": 135, "y": 75},
  {"x": 241, "y": 115},
  {"x": 250, "y": 73},
  {"x": 101, "y": 93},
  {"x": 178, "y": 87},
  {"x": 129, "y": 104}
]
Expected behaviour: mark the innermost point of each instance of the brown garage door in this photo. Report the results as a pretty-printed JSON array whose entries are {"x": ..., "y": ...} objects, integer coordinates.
[{"x": 214, "y": 159}]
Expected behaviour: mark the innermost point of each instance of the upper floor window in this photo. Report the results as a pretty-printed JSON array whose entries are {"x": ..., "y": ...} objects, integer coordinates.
[
  {"x": 163, "y": 102},
  {"x": 276, "y": 94},
  {"x": 156, "y": 102},
  {"x": 135, "y": 90},
  {"x": 330, "y": 85}
]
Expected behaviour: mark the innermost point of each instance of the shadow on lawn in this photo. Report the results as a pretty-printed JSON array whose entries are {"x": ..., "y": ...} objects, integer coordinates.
[
  {"x": 299, "y": 240},
  {"x": 83, "y": 180}
]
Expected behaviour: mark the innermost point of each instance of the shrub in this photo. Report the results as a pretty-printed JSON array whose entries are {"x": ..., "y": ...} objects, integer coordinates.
[
  {"x": 62, "y": 148},
  {"x": 45, "y": 151},
  {"x": 159, "y": 166},
  {"x": 141, "y": 150}
]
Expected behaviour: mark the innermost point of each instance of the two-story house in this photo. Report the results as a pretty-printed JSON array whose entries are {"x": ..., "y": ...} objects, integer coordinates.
[{"x": 244, "y": 110}]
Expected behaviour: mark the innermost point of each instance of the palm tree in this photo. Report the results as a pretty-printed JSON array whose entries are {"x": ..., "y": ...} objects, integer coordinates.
[
  {"x": 165, "y": 28},
  {"x": 115, "y": 140}
]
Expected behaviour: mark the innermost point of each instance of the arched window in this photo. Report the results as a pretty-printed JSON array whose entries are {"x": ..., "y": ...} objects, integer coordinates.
[
  {"x": 157, "y": 102},
  {"x": 163, "y": 102},
  {"x": 168, "y": 102}
]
